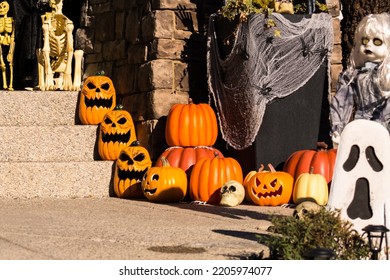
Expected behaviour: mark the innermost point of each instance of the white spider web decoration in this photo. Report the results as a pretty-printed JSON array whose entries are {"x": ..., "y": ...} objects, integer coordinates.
[{"x": 262, "y": 67}]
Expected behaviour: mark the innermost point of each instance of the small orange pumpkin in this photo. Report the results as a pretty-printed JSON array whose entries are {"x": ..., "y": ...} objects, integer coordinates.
[
  {"x": 97, "y": 98},
  {"x": 190, "y": 125},
  {"x": 270, "y": 188},
  {"x": 165, "y": 183},
  {"x": 116, "y": 131},
  {"x": 209, "y": 174}
]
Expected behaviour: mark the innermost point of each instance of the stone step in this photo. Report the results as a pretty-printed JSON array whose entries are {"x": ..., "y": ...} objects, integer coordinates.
[
  {"x": 56, "y": 179},
  {"x": 27, "y": 108},
  {"x": 49, "y": 143}
]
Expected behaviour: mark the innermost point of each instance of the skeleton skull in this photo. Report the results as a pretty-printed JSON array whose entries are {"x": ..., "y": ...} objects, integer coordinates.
[
  {"x": 4, "y": 8},
  {"x": 232, "y": 193},
  {"x": 303, "y": 208}
]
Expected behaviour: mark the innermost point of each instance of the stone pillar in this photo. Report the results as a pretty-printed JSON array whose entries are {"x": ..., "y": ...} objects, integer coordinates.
[
  {"x": 337, "y": 56},
  {"x": 155, "y": 53}
]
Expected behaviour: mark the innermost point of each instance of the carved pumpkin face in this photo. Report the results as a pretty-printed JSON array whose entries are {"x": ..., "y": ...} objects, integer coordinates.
[
  {"x": 270, "y": 188},
  {"x": 117, "y": 131},
  {"x": 97, "y": 98},
  {"x": 165, "y": 183},
  {"x": 130, "y": 167}
]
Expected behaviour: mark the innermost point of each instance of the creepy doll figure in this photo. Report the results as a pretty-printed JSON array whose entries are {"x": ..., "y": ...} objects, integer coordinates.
[{"x": 363, "y": 88}]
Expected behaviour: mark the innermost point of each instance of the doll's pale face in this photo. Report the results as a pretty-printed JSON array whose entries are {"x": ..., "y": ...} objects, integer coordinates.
[{"x": 373, "y": 48}]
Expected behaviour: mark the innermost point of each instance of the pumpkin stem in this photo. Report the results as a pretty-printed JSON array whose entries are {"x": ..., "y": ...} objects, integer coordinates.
[
  {"x": 271, "y": 167},
  {"x": 261, "y": 167},
  {"x": 311, "y": 169},
  {"x": 164, "y": 161},
  {"x": 322, "y": 146},
  {"x": 100, "y": 73}
]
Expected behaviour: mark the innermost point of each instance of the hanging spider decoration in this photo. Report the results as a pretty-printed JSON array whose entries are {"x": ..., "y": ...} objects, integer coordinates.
[
  {"x": 264, "y": 90},
  {"x": 307, "y": 50}
]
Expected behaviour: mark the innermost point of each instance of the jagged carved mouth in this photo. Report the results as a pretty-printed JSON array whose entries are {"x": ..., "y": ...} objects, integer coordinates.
[
  {"x": 268, "y": 194},
  {"x": 98, "y": 102},
  {"x": 132, "y": 175},
  {"x": 116, "y": 138}
]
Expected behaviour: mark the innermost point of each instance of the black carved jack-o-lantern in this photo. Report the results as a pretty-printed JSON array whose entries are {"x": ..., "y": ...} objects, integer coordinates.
[
  {"x": 130, "y": 167},
  {"x": 97, "y": 98},
  {"x": 117, "y": 131}
]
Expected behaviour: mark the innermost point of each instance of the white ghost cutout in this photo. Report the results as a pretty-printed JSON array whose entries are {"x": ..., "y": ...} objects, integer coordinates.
[{"x": 360, "y": 188}]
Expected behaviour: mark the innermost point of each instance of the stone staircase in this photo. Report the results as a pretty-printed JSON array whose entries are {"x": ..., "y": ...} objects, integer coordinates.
[{"x": 45, "y": 151}]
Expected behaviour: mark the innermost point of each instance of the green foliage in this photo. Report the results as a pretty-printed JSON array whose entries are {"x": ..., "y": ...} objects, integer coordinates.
[
  {"x": 243, "y": 8},
  {"x": 291, "y": 237}
]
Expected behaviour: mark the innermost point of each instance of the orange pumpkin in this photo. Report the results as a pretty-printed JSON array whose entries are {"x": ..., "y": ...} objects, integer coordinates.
[
  {"x": 322, "y": 161},
  {"x": 190, "y": 125},
  {"x": 116, "y": 132},
  {"x": 130, "y": 167},
  {"x": 165, "y": 183},
  {"x": 97, "y": 98},
  {"x": 186, "y": 157},
  {"x": 270, "y": 188},
  {"x": 209, "y": 174}
]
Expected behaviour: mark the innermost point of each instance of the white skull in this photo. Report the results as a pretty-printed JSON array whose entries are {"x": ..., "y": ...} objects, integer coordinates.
[
  {"x": 304, "y": 207},
  {"x": 232, "y": 193}
]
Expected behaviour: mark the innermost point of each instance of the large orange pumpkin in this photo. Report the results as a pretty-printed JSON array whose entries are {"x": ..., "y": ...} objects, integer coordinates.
[
  {"x": 321, "y": 160},
  {"x": 270, "y": 188},
  {"x": 97, "y": 98},
  {"x": 190, "y": 125},
  {"x": 209, "y": 174}
]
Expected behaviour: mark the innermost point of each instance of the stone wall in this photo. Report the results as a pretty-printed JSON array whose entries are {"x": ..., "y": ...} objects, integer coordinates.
[{"x": 155, "y": 53}]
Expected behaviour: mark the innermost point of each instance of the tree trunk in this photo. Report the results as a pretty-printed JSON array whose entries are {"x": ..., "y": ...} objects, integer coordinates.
[{"x": 353, "y": 12}]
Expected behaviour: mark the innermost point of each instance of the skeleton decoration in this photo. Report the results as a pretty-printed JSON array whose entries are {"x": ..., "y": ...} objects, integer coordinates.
[
  {"x": 232, "y": 193},
  {"x": 364, "y": 88},
  {"x": 304, "y": 207},
  {"x": 360, "y": 185},
  {"x": 7, "y": 40},
  {"x": 55, "y": 58}
]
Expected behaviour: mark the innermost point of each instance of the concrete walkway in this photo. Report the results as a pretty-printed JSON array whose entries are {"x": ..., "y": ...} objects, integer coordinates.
[{"x": 119, "y": 229}]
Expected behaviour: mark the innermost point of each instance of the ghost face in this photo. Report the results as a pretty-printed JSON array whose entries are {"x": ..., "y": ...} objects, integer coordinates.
[{"x": 362, "y": 174}]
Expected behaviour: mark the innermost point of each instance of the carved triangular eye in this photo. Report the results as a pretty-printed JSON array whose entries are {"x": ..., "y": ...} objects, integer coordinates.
[
  {"x": 373, "y": 160},
  {"x": 352, "y": 159}
]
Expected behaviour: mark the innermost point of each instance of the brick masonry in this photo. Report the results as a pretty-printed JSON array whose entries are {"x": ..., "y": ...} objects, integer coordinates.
[{"x": 154, "y": 51}]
